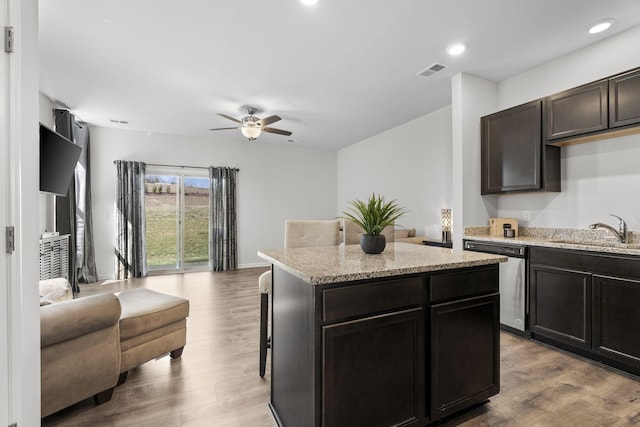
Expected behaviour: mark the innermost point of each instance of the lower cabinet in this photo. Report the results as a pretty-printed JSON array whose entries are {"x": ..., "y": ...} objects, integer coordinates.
[
  {"x": 464, "y": 353},
  {"x": 561, "y": 305},
  {"x": 616, "y": 319},
  {"x": 402, "y": 351},
  {"x": 587, "y": 303},
  {"x": 374, "y": 371}
]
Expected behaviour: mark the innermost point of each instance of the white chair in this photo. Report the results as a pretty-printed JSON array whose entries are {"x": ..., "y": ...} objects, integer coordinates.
[
  {"x": 351, "y": 232},
  {"x": 297, "y": 234}
]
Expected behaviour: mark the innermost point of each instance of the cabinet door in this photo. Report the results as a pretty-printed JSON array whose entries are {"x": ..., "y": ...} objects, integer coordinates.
[
  {"x": 511, "y": 150},
  {"x": 373, "y": 371},
  {"x": 577, "y": 111},
  {"x": 616, "y": 311},
  {"x": 465, "y": 351},
  {"x": 624, "y": 99},
  {"x": 560, "y": 305}
]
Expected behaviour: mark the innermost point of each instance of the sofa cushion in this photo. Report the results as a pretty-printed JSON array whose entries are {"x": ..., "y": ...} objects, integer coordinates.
[
  {"x": 144, "y": 310},
  {"x": 401, "y": 234},
  {"x": 54, "y": 290},
  {"x": 352, "y": 232}
]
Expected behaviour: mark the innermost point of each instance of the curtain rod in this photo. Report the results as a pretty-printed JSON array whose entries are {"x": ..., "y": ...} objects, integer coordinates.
[{"x": 174, "y": 166}]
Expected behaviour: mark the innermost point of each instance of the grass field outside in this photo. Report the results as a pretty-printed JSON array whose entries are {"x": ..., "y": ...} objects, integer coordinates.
[{"x": 161, "y": 224}]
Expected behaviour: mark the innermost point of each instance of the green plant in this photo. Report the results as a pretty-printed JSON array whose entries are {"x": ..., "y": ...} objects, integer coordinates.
[{"x": 375, "y": 214}]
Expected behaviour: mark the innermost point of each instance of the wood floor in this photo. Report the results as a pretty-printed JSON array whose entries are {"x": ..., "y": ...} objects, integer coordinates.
[{"x": 216, "y": 381}]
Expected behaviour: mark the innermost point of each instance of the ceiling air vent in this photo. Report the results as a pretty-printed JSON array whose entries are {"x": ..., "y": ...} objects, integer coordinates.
[{"x": 432, "y": 69}]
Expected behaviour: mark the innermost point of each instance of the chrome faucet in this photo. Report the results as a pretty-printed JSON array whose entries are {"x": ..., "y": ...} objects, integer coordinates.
[{"x": 621, "y": 232}]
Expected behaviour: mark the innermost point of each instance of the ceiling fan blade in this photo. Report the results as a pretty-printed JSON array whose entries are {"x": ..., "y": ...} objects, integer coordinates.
[
  {"x": 229, "y": 117},
  {"x": 237, "y": 127},
  {"x": 268, "y": 120},
  {"x": 278, "y": 131}
]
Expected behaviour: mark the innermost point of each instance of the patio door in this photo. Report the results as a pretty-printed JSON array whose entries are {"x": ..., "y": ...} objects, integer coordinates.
[{"x": 177, "y": 219}]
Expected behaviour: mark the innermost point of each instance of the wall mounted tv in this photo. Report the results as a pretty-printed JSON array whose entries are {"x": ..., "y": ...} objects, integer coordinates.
[{"x": 58, "y": 158}]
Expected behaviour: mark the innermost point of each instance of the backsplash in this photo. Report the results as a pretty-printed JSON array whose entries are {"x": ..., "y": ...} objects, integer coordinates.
[{"x": 560, "y": 234}]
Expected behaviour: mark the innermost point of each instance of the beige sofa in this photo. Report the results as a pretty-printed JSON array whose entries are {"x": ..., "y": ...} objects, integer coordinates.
[
  {"x": 79, "y": 351},
  {"x": 351, "y": 232},
  {"x": 88, "y": 344},
  {"x": 408, "y": 235}
]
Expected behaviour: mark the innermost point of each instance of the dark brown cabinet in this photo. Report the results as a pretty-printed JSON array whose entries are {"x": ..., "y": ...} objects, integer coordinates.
[
  {"x": 402, "y": 351},
  {"x": 588, "y": 303},
  {"x": 561, "y": 305},
  {"x": 624, "y": 99},
  {"x": 465, "y": 353},
  {"x": 374, "y": 371},
  {"x": 578, "y": 111},
  {"x": 513, "y": 155},
  {"x": 616, "y": 318}
]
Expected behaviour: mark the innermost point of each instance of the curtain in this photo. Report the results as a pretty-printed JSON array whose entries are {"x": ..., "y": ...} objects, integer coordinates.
[
  {"x": 73, "y": 212},
  {"x": 130, "y": 246},
  {"x": 223, "y": 251}
]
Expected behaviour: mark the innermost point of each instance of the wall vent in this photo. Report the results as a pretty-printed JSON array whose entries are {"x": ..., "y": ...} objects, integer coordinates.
[{"x": 432, "y": 69}]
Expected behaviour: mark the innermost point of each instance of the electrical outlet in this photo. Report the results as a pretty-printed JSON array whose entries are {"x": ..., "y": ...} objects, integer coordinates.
[{"x": 526, "y": 215}]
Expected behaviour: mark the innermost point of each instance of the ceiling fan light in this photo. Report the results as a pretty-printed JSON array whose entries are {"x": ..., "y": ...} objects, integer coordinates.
[{"x": 251, "y": 132}]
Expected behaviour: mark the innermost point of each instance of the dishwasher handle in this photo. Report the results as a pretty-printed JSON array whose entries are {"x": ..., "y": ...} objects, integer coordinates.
[{"x": 496, "y": 248}]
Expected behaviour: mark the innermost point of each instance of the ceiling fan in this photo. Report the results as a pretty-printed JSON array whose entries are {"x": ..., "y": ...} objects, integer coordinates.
[{"x": 252, "y": 126}]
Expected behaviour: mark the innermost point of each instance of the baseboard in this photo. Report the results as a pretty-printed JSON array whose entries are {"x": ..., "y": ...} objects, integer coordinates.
[
  {"x": 254, "y": 264},
  {"x": 240, "y": 266}
]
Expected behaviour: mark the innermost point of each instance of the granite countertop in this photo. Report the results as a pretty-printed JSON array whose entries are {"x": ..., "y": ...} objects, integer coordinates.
[
  {"x": 576, "y": 239},
  {"x": 333, "y": 264}
]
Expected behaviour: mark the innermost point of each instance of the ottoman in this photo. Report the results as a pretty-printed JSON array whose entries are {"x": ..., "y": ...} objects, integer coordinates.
[{"x": 151, "y": 325}]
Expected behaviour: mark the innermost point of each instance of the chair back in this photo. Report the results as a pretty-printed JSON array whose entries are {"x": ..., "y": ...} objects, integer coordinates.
[
  {"x": 351, "y": 232},
  {"x": 311, "y": 233}
]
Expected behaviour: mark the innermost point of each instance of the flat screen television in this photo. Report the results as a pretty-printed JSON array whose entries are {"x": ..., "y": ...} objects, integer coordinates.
[{"x": 58, "y": 158}]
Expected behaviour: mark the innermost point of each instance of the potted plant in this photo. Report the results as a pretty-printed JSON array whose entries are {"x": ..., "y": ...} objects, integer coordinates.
[{"x": 373, "y": 216}]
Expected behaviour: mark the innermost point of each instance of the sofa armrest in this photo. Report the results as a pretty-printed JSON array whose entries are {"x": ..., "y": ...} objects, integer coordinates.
[{"x": 70, "y": 319}]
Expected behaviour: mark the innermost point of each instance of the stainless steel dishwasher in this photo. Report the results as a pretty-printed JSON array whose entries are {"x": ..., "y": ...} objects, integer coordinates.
[{"x": 513, "y": 281}]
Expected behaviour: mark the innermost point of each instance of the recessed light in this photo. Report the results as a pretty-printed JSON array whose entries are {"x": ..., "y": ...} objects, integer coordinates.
[
  {"x": 601, "y": 26},
  {"x": 456, "y": 49},
  {"x": 309, "y": 2}
]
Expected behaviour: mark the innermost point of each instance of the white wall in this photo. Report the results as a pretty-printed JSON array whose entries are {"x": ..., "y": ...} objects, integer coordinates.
[
  {"x": 471, "y": 98},
  {"x": 275, "y": 182},
  {"x": 410, "y": 163},
  {"x": 598, "y": 178}
]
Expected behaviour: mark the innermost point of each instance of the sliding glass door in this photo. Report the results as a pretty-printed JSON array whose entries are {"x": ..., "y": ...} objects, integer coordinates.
[{"x": 177, "y": 219}]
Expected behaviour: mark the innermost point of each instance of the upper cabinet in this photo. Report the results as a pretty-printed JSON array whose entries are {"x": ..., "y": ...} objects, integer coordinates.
[
  {"x": 514, "y": 156},
  {"x": 624, "y": 99},
  {"x": 603, "y": 109},
  {"x": 521, "y": 145},
  {"x": 577, "y": 111}
]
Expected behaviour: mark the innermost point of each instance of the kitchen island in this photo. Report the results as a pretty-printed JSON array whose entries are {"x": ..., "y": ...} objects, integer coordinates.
[{"x": 403, "y": 338}]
